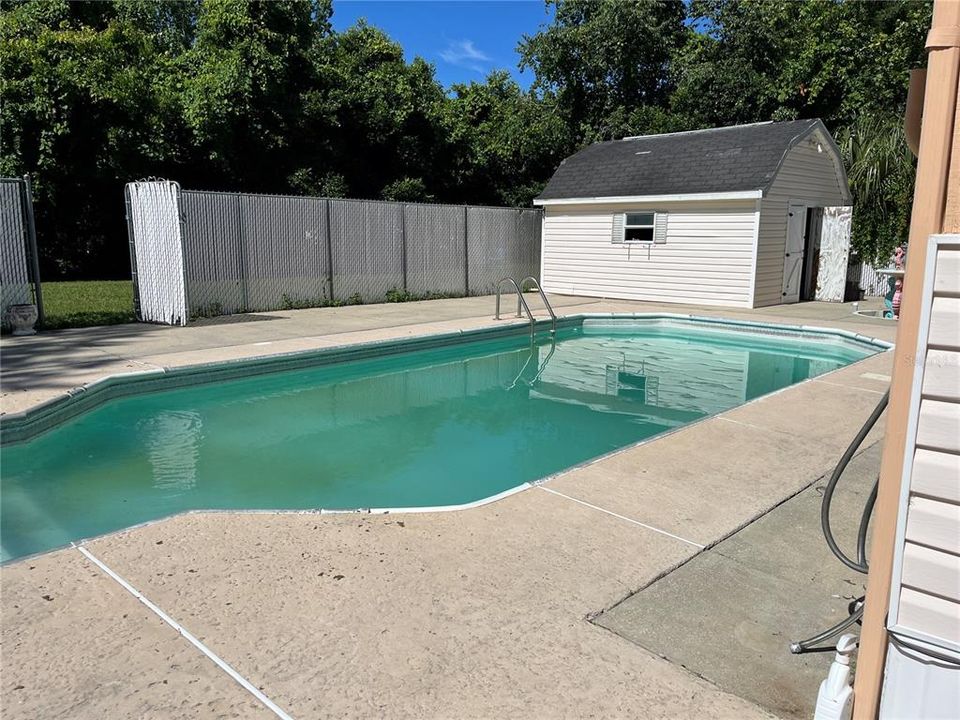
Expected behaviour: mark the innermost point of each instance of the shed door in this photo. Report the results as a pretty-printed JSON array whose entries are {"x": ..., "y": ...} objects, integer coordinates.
[
  {"x": 834, "y": 253},
  {"x": 793, "y": 252}
]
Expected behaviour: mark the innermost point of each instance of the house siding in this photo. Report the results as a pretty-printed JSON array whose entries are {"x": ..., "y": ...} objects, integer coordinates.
[
  {"x": 927, "y": 594},
  {"x": 806, "y": 176},
  {"x": 707, "y": 258}
]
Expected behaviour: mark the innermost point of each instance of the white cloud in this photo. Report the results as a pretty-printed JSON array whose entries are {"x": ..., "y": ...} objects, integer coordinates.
[{"x": 464, "y": 53}]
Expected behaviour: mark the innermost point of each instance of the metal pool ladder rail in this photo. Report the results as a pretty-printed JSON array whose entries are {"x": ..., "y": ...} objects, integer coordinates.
[
  {"x": 522, "y": 303},
  {"x": 546, "y": 303}
]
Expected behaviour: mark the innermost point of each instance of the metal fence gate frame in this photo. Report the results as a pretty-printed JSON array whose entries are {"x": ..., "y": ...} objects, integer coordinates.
[
  {"x": 19, "y": 259},
  {"x": 244, "y": 252}
]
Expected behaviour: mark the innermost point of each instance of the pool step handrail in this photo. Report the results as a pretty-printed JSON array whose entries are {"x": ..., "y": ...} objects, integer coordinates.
[
  {"x": 543, "y": 365},
  {"x": 522, "y": 303},
  {"x": 540, "y": 369},
  {"x": 526, "y": 364},
  {"x": 546, "y": 303}
]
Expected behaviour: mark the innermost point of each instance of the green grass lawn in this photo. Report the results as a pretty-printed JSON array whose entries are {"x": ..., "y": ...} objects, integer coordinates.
[{"x": 87, "y": 303}]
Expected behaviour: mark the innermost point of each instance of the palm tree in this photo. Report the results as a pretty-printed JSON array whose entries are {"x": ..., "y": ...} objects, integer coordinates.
[{"x": 881, "y": 171}]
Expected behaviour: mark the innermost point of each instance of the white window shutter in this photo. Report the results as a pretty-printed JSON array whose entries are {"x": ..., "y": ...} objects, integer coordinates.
[
  {"x": 660, "y": 228},
  {"x": 617, "y": 236}
]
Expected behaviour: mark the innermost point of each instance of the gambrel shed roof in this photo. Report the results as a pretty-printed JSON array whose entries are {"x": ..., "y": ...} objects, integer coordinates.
[{"x": 717, "y": 160}]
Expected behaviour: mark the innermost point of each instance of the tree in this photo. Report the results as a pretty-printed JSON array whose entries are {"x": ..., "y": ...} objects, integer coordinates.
[
  {"x": 881, "y": 171},
  {"x": 600, "y": 57},
  {"x": 407, "y": 189},
  {"x": 502, "y": 143},
  {"x": 83, "y": 108},
  {"x": 727, "y": 71},
  {"x": 747, "y": 61},
  {"x": 243, "y": 80},
  {"x": 265, "y": 96},
  {"x": 371, "y": 116}
]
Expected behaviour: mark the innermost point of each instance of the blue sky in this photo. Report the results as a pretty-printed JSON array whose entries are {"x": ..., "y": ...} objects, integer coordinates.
[{"x": 464, "y": 39}]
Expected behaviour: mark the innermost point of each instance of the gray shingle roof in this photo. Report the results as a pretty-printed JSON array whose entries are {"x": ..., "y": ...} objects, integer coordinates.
[{"x": 740, "y": 157}]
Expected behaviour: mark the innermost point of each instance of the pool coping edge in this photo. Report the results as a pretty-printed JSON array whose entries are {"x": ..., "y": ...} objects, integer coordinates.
[{"x": 25, "y": 425}]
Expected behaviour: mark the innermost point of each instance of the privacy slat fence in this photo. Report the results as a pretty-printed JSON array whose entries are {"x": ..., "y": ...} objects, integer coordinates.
[
  {"x": 366, "y": 241},
  {"x": 19, "y": 278},
  {"x": 868, "y": 279},
  {"x": 257, "y": 253}
]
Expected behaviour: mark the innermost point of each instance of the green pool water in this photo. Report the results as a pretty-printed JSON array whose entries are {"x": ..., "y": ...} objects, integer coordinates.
[{"x": 427, "y": 428}]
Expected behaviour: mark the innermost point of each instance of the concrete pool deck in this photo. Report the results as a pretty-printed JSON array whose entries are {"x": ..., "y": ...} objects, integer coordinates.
[{"x": 477, "y": 613}]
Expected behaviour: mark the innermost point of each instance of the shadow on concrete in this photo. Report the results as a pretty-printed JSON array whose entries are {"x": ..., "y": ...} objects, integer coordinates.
[
  {"x": 234, "y": 319},
  {"x": 730, "y": 613}
]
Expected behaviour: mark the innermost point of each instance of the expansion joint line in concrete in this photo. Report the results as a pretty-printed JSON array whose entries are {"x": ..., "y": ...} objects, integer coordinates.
[
  {"x": 192, "y": 639},
  {"x": 623, "y": 517},
  {"x": 745, "y": 424},
  {"x": 848, "y": 387}
]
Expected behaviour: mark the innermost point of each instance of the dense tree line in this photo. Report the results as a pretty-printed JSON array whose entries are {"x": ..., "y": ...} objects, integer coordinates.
[{"x": 267, "y": 97}]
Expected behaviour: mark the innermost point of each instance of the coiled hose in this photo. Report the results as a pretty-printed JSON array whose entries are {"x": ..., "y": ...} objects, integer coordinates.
[{"x": 860, "y": 564}]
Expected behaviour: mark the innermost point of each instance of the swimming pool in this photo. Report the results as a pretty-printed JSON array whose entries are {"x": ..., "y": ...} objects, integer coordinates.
[{"x": 440, "y": 421}]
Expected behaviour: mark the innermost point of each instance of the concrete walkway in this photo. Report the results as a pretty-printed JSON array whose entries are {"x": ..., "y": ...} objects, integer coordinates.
[
  {"x": 729, "y": 614},
  {"x": 476, "y": 613}
]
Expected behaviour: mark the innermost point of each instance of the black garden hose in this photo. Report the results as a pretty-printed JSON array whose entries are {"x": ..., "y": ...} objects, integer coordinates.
[
  {"x": 864, "y": 524},
  {"x": 810, "y": 644},
  {"x": 860, "y": 564}
]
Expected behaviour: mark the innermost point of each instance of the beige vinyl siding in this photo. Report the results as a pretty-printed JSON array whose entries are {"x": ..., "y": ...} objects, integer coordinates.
[
  {"x": 935, "y": 475},
  {"x": 938, "y": 573},
  {"x": 707, "y": 257},
  {"x": 806, "y": 176},
  {"x": 929, "y": 589}
]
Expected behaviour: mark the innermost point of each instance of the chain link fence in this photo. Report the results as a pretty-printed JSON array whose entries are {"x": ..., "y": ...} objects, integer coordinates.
[
  {"x": 257, "y": 253},
  {"x": 19, "y": 264}
]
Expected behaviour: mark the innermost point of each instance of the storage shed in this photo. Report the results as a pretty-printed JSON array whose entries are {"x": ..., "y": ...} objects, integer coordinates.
[{"x": 741, "y": 216}]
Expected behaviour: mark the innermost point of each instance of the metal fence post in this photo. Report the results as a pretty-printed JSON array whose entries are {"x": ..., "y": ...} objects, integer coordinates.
[
  {"x": 242, "y": 255},
  {"x": 133, "y": 254},
  {"x": 34, "y": 255},
  {"x": 466, "y": 256},
  {"x": 329, "y": 250},
  {"x": 403, "y": 243},
  {"x": 518, "y": 230},
  {"x": 182, "y": 220}
]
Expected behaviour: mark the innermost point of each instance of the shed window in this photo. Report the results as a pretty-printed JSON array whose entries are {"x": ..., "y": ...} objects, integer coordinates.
[
  {"x": 638, "y": 227},
  {"x": 649, "y": 226}
]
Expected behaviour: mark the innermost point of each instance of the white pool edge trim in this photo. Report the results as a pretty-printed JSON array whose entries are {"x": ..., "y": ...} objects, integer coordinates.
[{"x": 192, "y": 639}]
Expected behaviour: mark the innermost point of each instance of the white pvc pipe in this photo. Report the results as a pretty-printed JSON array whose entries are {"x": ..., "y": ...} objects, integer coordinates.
[{"x": 244, "y": 683}]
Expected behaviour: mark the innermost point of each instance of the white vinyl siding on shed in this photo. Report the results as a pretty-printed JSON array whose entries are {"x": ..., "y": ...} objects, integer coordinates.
[
  {"x": 707, "y": 256},
  {"x": 806, "y": 176},
  {"x": 926, "y": 590}
]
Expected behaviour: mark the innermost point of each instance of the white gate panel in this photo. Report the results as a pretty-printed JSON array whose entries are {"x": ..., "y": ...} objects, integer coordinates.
[{"x": 158, "y": 251}]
